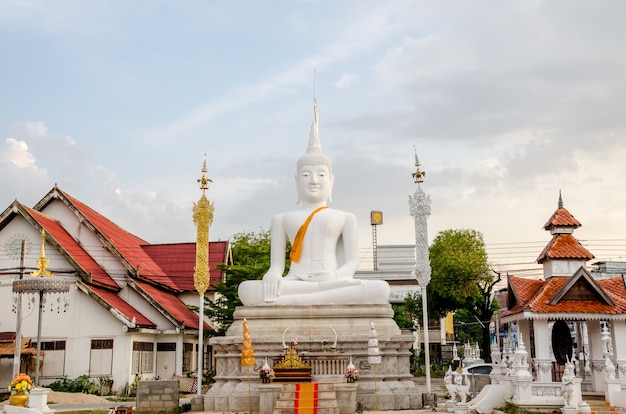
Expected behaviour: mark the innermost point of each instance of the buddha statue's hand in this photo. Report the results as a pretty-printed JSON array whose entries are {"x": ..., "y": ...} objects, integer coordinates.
[
  {"x": 270, "y": 291},
  {"x": 270, "y": 287},
  {"x": 319, "y": 276}
]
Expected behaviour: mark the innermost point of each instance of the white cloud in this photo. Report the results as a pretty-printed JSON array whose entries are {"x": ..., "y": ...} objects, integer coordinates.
[
  {"x": 16, "y": 152},
  {"x": 346, "y": 80}
]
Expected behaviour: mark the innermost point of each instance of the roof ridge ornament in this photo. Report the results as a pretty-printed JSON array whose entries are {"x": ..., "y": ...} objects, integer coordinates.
[
  {"x": 418, "y": 175},
  {"x": 42, "y": 262},
  {"x": 560, "y": 200}
]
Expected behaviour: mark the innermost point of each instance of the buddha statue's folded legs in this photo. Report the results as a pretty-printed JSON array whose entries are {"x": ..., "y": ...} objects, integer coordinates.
[{"x": 351, "y": 291}]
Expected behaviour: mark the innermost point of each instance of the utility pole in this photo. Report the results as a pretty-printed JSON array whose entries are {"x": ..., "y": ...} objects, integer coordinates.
[{"x": 17, "y": 355}]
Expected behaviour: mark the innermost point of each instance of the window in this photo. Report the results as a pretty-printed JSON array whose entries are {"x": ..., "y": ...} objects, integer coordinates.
[
  {"x": 187, "y": 357},
  {"x": 54, "y": 360},
  {"x": 166, "y": 346},
  {"x": 101, "y": 357},
  {"x": 143, "y": 353}
]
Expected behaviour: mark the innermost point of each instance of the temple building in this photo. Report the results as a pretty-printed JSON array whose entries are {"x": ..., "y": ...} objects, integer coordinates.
[
  {"x": 571, "y": 314},
  {"x": 126, "y": 315}
]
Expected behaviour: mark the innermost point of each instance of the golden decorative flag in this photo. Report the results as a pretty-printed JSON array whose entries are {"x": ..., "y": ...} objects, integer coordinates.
[
  {"x": 296, "y": 248},
  {"x": 247, "y": 353}
]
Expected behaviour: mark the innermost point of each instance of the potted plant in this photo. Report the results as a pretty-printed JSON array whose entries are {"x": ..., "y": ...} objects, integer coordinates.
[{"x": 21, "y": 385}]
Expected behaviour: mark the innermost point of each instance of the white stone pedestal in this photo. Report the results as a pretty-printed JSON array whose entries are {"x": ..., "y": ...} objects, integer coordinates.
[
  {"x": 569, "y": 410},
  {"x": 461, "y": 408},
  {"x": 38, "y": 400},
  {"x": 269, "y": 326},
  {"x": 612, "y": 386}
]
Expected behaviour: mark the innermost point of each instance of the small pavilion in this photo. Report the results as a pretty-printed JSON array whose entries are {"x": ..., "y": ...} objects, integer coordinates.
[{"x": 571, "y": 314}]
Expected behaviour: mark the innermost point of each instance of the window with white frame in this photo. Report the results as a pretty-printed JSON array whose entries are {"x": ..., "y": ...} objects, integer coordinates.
[
  {"x": 54, "y": 360},
  {"x": 143, "y": 357},
  {"x": 101, "y": 357}
]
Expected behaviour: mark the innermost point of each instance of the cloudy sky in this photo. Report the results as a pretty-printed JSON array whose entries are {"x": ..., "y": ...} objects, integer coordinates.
[{"x": 506, "y": 103}]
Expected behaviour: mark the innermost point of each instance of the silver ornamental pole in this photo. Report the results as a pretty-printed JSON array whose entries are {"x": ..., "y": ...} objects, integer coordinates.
[{"x": 419, "y": 206}]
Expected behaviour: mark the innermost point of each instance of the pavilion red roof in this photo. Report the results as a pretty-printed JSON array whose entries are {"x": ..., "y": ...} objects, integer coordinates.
[
  {"x": 562, "y": 218},
  {"x": 578, "y": 294},
  {"x": 564, "y": 246}
]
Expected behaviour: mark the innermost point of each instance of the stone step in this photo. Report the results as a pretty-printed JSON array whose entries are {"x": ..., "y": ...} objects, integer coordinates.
[
  {"x": 320, "y": 394},
  {"x": 326, "y": 400},
  {"x": 320, "y": 404},
  {"x": 599, "y": 406},
  {"x": 319, "y": 411},
  {"x": 321, "y": 386}
]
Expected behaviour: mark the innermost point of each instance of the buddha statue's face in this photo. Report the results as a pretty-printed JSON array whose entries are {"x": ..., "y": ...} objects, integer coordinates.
[{"x": 314, "y": 182}]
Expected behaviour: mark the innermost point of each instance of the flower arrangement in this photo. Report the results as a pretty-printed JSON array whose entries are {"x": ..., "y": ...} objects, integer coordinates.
[
  {"x": 325, "y": 341},
  {"x": 21, "y": 382},
  {"x": 266, "y": 373},
  {"x": 351, "y": 374},
  {"x": 295, "y": 341}
]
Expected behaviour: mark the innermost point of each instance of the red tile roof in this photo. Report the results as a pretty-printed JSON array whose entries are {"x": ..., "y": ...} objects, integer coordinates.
[
  {"x": 174, "y": 306},
  {"x": 77, "y": 254},
  {"x": 178, "y": 261},
  {"x": 123, "y": 307},
  {"x": 564, "y": 246},
  {"x": 127, "y": 244},
  {"x": 536, "y": 296},
  {"x": 563, "y": 218}
]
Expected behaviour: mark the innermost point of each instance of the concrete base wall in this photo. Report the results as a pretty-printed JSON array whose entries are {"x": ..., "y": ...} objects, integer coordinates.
[
  {"x": 386, "y": 386},
  {"x": 155, "y": 396}
]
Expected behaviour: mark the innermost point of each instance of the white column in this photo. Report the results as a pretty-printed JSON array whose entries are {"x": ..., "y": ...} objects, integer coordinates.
[
  {"x": 595, "y": 355},
  {"x": 619, "y": 348},
  {"x": 543, "y": 356}
]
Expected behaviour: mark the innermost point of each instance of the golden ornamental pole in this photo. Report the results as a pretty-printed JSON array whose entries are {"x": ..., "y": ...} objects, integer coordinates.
[{"x": 202, "y": 218}]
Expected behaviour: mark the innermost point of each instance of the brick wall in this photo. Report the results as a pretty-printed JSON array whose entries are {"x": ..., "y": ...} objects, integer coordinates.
[{"x": 155, "y": 396}]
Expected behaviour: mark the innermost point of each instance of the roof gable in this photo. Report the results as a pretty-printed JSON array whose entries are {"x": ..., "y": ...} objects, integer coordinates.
[
  {"x": 581, "y": 287},
  {"x": 521, "y": 290},
  {"x": 576, "y": 295},
  {"x": 124, "y": 245},
  {"x": 87, "y": 268}
]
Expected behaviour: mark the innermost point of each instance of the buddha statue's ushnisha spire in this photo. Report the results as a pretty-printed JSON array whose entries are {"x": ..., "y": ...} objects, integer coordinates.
[{"x": 314, "y": 154}]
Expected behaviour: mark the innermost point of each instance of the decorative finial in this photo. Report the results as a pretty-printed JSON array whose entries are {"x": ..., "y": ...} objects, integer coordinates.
[
  {"x": 560, "y": 200},
  {"x": 418, "y": 175},
  {"x": 204, "y": 181},
  {"x": 42, "y": 262},
  {"x": 314, "y": 146}
]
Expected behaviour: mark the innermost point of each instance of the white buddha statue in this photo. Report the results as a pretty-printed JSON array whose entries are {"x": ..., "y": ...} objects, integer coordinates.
[{"x": 324, "y": 253}]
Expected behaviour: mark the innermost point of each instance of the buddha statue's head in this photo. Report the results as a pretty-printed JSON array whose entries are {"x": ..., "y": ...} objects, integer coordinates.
[{"x": 314, "y": 166}]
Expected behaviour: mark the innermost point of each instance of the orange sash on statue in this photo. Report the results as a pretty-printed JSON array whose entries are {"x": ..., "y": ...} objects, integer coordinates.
[{"x": 296, "y": 248}]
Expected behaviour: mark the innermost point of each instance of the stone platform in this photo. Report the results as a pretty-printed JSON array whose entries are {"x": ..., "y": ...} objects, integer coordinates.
[{"x": 387, "y": 386}]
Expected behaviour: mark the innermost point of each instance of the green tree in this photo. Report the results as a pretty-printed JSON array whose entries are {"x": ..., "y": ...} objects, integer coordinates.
[
  {"x": 405, "y": 314},
  {"x": 462, "y": 279},
  {"x": 251, "y": 259}
]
